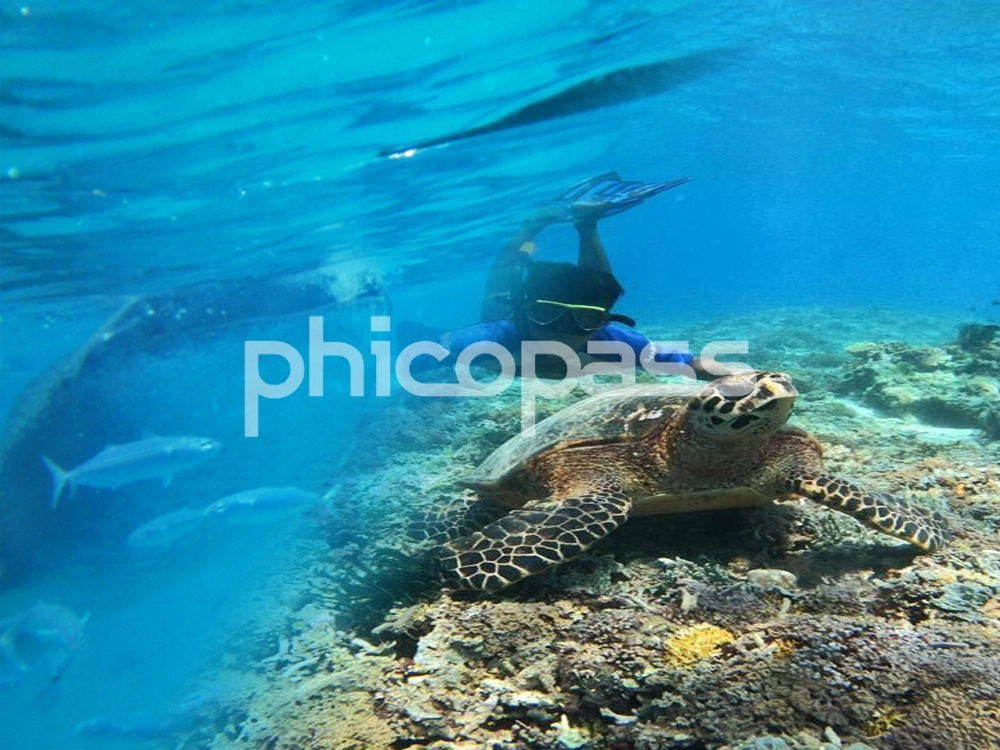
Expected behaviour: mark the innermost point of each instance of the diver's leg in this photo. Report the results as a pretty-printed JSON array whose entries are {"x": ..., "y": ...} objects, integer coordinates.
[
  {"x": 500, "y": 281},
  {"x": 591, "y": 254}
]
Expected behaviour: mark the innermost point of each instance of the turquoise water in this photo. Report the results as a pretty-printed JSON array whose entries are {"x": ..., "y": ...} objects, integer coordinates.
[{"x": 843, "y": 155}]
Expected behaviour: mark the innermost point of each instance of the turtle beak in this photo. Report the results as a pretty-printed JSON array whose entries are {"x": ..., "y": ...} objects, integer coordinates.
[
  {"x": 773, "y": 395},
  {"x": 776, "y": 409},
  {"x": 771, "y": 387}
]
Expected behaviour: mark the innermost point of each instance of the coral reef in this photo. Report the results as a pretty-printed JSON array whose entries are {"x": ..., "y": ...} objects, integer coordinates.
[
  {"x": 953, "y": 386},
  {"x": 782, "y": 628},
  {"x": 976, "y": 336}
]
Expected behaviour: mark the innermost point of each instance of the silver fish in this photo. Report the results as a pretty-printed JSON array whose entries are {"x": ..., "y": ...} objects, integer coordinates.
[
  {"x": 154, "y": 457},
  {"x": 166, "y": 529},
  {"x": 262, "y": 505}
]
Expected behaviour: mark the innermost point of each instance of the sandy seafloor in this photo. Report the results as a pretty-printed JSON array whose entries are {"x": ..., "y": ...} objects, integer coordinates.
[{"x": 676, "y": 632}]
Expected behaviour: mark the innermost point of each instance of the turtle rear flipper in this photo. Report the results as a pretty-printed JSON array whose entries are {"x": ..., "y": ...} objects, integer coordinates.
[
  {"x": 526, "y": 541},
  {"x": 920, "y": 527}
]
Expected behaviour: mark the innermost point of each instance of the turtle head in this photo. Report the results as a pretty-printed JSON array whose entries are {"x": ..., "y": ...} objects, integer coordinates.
[{"x": 742, "y": 405}]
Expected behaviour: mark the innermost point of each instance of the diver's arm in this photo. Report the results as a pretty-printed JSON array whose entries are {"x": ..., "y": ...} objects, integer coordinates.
[
  {"x": 638, "y": 342},
  {"x": 502, "y": 332}
]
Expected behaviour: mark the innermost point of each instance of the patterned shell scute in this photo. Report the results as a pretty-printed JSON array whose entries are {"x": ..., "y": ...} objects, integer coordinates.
[{"x": 619, "y": 415}]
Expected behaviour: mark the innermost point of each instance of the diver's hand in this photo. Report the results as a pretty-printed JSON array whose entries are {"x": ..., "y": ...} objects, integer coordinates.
[{"x": 716, "y": 370}]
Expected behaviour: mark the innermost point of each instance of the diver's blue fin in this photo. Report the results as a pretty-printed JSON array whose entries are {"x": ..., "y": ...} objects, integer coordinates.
[
  {"x": 589, "y": 187},
  {"x": 607, "y": 194}
]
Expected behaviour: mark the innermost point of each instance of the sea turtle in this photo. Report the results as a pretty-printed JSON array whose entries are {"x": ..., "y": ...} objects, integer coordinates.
[{"x": 637, "y": 451}]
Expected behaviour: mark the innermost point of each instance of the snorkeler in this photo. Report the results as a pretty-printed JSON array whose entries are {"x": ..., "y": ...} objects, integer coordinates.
[{"x": 529, "y": 300}]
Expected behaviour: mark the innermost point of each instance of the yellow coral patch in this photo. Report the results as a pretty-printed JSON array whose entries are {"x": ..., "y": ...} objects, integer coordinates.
[
  {"x": 783, "y": 648},
  {"x": 692, "y": 644},
  {"x": 884, "y": 720},
  {"x": 992, "y": 608},
  {"x": 951, "y": 575}
]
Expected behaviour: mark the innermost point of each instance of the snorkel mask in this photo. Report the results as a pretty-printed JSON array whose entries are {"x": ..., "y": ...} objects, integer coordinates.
[
  {"x": 547, "y": 312},
  {"x": 567, "y": 299}
]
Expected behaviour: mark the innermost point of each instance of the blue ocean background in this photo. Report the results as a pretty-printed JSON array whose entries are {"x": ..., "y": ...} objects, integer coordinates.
[{"x": 843, "y": 156}]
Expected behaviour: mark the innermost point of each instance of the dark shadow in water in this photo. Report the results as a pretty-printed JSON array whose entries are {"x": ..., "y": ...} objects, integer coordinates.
[{"x": 606, "y": 90}]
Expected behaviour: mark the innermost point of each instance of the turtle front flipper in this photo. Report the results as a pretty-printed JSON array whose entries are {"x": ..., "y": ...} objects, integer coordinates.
[
  {"x": 455, "y": 519},
  {"x": 923, "y": 528},
  {"x": 526, "y": 541}
]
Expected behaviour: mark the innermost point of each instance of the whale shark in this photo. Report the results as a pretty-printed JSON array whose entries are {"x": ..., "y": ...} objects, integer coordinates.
[{"x": 85, "y": 402}]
